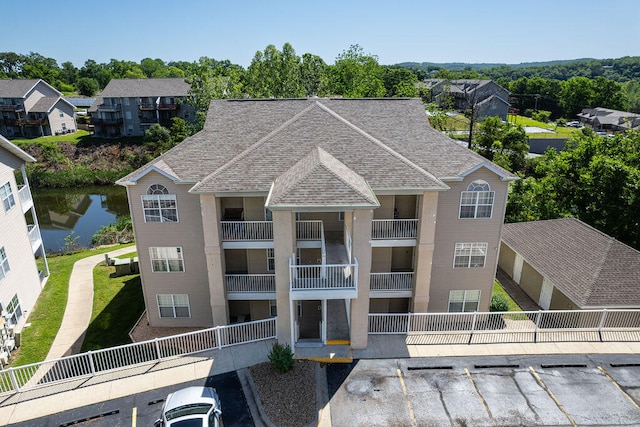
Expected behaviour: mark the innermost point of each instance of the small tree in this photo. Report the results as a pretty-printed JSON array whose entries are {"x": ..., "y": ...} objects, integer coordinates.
[
  {"x": 87, "y": 86},
  {"x": 281, "y": 358},
  {"x": 499, "y": 303},
  {"x": 158, "y": 139}
]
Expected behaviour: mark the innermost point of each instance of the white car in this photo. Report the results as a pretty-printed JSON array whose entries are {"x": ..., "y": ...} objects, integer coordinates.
[{"x": 191, "y": 407}]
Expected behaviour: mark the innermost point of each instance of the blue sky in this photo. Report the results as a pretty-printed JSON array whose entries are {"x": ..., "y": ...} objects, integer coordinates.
[{"x": 511, "y": 31}]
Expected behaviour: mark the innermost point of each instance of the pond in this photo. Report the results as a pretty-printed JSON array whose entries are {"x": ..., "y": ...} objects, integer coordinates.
[{"x": 70, "y": 213}]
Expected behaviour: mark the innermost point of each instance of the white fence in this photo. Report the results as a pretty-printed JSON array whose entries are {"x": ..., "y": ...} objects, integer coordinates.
[
  {"x": 250, "y": 282},
  {"x": 323, "y": 276},
  {"x": 309, "y": 230},
  {"x": 91, "y": 363},
  {"x": 516, "y": 326},
  {"x": 394, "y": 229},
  {"x": 246, "y": 230},
  {"x": 394, "y": 281}
]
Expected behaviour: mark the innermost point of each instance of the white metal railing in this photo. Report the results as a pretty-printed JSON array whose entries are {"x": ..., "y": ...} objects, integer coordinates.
[
  {"x": 91, "y": 363},
  {"x": 309, "y": 230},
  {"x": 247, "y": 230},
  {"x": 523, "y": 326},
  {"x": 34, "y": 235},
  {"x": 323, "y": 276},
  {"x": 394, "y": 281},
  {"x": 394, "y": 229},
  {"x": 24, "y": 194},
  {"x": 250, "y": 282}
]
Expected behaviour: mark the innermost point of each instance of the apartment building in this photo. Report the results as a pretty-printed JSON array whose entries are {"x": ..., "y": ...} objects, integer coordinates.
[
  {"x": 317, "y": 211},
  {"x": 32, "y": 108},
  {"x": 128, "y": 107},
  {"x": 21, "y": 276}
]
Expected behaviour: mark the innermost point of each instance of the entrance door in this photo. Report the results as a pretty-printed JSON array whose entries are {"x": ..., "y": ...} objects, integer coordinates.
[{"x": 310, "y": 318}]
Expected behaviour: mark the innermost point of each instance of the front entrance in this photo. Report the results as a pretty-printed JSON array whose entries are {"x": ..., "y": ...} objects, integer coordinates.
[{"x": 310, "y": 319}]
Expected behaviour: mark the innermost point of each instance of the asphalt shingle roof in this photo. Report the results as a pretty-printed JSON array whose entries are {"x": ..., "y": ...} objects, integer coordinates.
[
  {"x": 17, "y": 88},
  {"x": 126, "y": 88},
  {"x": 247, "y": 144},
  {"x": 590, "y": 267},
  {"x": 44, "y": 104}
]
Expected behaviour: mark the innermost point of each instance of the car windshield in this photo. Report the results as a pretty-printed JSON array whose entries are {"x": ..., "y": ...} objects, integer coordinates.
[
  {"x": 181, "y": 411},
  {"x": 193, "y": 422}
]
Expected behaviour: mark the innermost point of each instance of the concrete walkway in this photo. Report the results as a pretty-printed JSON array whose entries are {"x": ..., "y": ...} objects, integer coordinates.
[{"x": 77, "y": 314}]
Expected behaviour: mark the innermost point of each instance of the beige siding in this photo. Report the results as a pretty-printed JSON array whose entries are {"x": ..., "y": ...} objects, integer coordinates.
[
  {"x": 560, "y": 301},
  {"x": 385, "y": 211},
  {"x": 186, "y": 233},
  {"x": 406, "y": 205},
  {"x": 401, "y": 259},
  {"x": 22, "y": 278},
  {"x": 257, "y": 261},
  {"x": 380, "y": 260},
  {"x": 451, "y": 230},
  {"x": 236, "y": 261},
  {"x": 254, "y": 208},
  {"x": 531, "y": 281},
  {"x": 55, "y": 121},
  {"x": 506, "y": 259},
  {"x": 39, "y": 91}
]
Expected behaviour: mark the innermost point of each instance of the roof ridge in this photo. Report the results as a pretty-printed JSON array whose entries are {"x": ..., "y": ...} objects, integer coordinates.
[
  {"x": 378, "y": 142},
  {"x": 340, "y": 177},
  {"x": 247, "y": 151},
  {"x": 598, "y": 270}
]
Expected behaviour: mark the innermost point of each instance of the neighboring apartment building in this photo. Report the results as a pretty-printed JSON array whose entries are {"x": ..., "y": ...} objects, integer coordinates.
[
  {"x": 601, "y": 119},
  {"x": 488, "y": 97},
  {"x": 32, "y": 108},
  {"x": 21, "y": 279},
  {"x": 319, "y": 212},
  {"x": 128, "y": 107}
]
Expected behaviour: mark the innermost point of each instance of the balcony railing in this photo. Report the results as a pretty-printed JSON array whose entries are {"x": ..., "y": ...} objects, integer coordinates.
[
  {"x": 395, "y": 281},
  {"x": 33, "y": 122},
  {"x": 106, "y": 122},
  {"x": 9, "y": 121},
  {"x": 389, "y": 229},
  {"x": 34, "y": 236},
  {"x": 246, "y": 230},
  {"x": 26, "y": 200},
  {"x": 262, "y": 283},
  {"x": 110, "y": 107},
  {"x": 323, "y": 276},
  {"x": 309, "y": 230},
  {"x": 167, "y": 106},
  {"x": 147, "y": 106},
  {"x": 4, "y": 107}
]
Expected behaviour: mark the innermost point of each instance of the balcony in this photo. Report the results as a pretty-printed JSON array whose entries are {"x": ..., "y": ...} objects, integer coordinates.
[
  {"x": 402, "y": 232},
  {"x": 309, "y": 230},
  {"x": 107, "y": 122},
  {"x": 26, "y": 200},
  {"x": 168, "y": 106},
  {"x": 34, "y": 122},
  {"x": 9, "y": 121},
  {"x": 109, "y": 107},
  {"x": 323, "y": 281},
  {"x": 391, "y": 285},
  {"x": 250, "y": 286},
  {"x": 14, "y": 108},
  {"x": 246, "y": 234},
  {"x": 145, "y": 106},
  {"x": 34, "y": 237}
]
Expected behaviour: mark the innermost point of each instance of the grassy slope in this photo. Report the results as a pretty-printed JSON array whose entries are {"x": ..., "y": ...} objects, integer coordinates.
[{"x": 499, "y": 290}]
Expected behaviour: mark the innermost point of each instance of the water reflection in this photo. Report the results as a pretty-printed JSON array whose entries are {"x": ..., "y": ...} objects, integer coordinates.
[{"x": 81, "y": 210}]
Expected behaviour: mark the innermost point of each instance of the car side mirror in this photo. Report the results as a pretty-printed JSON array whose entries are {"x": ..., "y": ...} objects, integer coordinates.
[{"x": 158, "y": 423}]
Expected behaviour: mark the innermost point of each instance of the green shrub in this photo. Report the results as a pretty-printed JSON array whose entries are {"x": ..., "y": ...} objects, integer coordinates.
[
  {"x": 281, "y": 358},
  {"x": 499, "y": 303}
]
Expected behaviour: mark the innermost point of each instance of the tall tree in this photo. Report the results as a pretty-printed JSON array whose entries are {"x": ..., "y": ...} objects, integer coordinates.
[
  {"x": 576, "y": 94},
  {"x": 504, "y": 143},
  {"x": 356, "y": 75},
  {"x": 275, "y": 74}
]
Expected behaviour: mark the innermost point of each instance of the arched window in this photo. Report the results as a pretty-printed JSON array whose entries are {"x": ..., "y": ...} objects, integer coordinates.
[
  {"x": 158, "y": 205},
  {"x": 477, "y": 201}
]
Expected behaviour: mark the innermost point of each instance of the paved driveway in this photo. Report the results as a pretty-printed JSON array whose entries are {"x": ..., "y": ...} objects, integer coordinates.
[{"x": 489, "y": 391}]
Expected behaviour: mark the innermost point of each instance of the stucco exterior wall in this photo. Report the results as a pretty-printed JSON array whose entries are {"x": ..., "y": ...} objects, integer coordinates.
[
  {"x": 506, "y": 258},
  {"x": 531, "y": 281}
]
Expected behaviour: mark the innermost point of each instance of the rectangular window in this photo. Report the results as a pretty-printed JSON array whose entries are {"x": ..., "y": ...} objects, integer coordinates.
[
  {"x": 166, "y": 259},
  {"x": 340, "y": 216},
  {"x": 61, "y": 114},
  {"x": 160, "y": 208},
  {"x": 8, "y": 201},
  {"x": 476, "y": 204},
  {"x": 271, "y": 260},
  {"x": 463, "y": 301},
  {"x": 126, "y": 101},
  {"x": 173, "y": 305},
  {"x": 273, "y": 308},
  {"x": 4, "y": 264},
  {"x": 14, "y": 312},
  {"x": 470, "y": 255}
]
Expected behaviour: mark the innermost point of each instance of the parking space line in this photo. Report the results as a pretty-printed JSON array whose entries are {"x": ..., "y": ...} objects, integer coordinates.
[
  {"x": 134, "y": 415},
  {"x": 627, "y": 395},
  {"x": 484, "y": 402},
  {"x": 551, "y": 395},
  {"x": 406, "y": 395}
]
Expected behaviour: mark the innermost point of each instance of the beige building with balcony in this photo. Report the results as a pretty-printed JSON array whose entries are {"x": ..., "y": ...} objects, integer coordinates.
[
  {"x": 317, "y": 212},
  {"x": 21, "y": 276}
]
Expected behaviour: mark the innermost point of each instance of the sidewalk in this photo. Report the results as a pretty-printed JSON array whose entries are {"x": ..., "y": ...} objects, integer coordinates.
[{"x": 77, "y": 314}]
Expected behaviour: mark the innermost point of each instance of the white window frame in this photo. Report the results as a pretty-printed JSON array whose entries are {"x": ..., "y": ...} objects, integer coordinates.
[
  {"x": 14, "y": 311},
  {"x": 479, "y": 198},
  {"x": 166, "y": 259},
  {"x": 271, "y": 260},
  {"x": 273, "y": 308},
  {"x": 158, "y": 205},
  {"x": 4, "y": 263},
  {"x": 341, "y": 216},
  {"x": 467, "y": 255},
  {"x": 464, "y": 297},
  {"x": 8, "y": 199},
  {"x": 173, "y": 302}
]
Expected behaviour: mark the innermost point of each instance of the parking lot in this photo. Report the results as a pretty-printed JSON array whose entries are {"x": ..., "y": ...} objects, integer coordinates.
[{"x": 491, "y": 391}]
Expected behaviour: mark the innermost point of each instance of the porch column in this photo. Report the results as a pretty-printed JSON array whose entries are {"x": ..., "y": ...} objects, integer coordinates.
[
  {"x": 284, "y": 246},
  {"x": 361, "y": 234},
  {"x": 214, "y": 253},
  {"x": 427, "y": 210}
]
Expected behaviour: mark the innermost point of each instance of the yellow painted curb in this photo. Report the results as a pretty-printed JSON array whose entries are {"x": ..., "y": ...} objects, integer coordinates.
[{"x": 338, "y": 342}]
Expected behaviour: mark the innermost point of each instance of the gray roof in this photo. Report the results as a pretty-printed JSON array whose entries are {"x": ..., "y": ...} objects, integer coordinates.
[
  {"x": 127, "y": 88},
  {"x": 590, "y": 267},
  {"x": 16, "y": 88},
  {"x": 44, "y": 104},
  {"x": 247, "y": 144}
]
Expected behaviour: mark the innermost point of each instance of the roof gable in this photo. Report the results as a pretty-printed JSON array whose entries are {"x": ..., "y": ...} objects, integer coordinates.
[
  {"x": 320, "y": 180},
  {"x": 15, "y": 150}
]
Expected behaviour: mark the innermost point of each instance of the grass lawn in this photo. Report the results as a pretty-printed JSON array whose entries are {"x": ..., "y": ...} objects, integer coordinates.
[
  {"x": 558, "y": 131},
  {"x": 73, "y": 138},
  {"x": 499, "y": 290},
  {"x": 117, "y": 305},
  {"x": 46, "y": 316}
]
